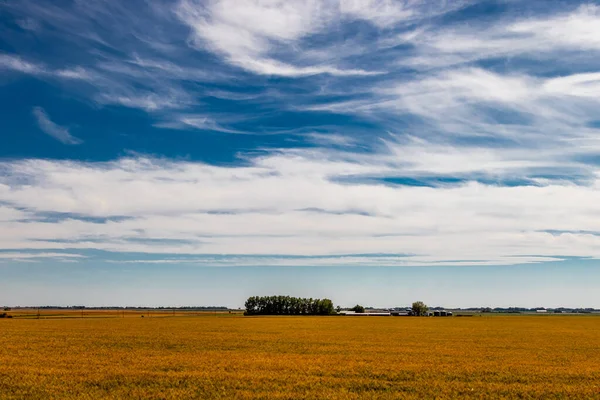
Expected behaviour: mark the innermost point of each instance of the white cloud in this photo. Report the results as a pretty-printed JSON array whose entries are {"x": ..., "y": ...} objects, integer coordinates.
[
  {"x": 11, "y": 214},
  {"x": 17, "y": 64},
  {"x": 579, "y": 30},
  {"x": 578, "y": 85},
  {"x": 327, "y": 139},
  {"x": 344, "y": 260},
  {"x": 195, "y": 121},
  {"x": 522, "y": 121},
  {"x": 58, "y": 132},
  {"x": 104, "y": 40},
  {"x": 146, "y": 101},
  {"x": 381, "y": 13},
  {"x": 245, "y": 32},
  {"x": 158, "y": 94},
  {"x": 545, "y": 122},
  {"x": 292, "y": 204},
  {"x": 39, "y": 257},
  {"x": 459, "y": 90},
  {"x": 387, "y": 13},
  {"x": 265, "y": 37},
  {"x": 28, "y": 24},
  {"x": 557, "y": 36},
  {"x": 74, "y": 73},
  {"x": 273, "y": 67}
]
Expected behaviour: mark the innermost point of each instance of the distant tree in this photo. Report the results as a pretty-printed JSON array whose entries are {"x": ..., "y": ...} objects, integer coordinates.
[
  {"x": 358, "y": 308},
  {"x": 251, "y": 305},
  {"x": 286, "y": 305},
  {"x": 338, "y": 309},
  {"x": 326, "y": 307},
  {"x": 419, "y": 308}
]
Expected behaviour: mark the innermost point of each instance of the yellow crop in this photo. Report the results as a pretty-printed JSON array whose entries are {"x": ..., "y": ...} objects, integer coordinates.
[{"x": 214, "y": 357}]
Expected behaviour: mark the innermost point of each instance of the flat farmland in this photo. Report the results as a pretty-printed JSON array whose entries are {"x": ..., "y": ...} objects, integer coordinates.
[
  {"x": 33, "y": 313},
  {"x": 226, "y": 357}
]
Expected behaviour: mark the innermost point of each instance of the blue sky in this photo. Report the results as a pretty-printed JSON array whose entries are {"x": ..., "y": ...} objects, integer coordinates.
[{"x": 197, "y": 152}]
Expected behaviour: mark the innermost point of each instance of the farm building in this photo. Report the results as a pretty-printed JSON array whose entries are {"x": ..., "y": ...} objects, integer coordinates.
[
  {"x": 395, "y": 313},
  {"x": 401, "y": 313},
  {"x": 398, "y": 312},
  {"x": 439, "y": 313},
  {"x": 366, "y": 314}
]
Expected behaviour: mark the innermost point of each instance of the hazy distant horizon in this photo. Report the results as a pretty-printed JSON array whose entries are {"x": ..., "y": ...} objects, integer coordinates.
[{"x": 535, "y": 285}]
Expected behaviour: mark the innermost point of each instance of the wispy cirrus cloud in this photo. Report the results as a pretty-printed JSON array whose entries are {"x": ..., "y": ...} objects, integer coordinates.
[
  {"x": 195, "y": 121},
  {"x": 114, "y": 56},
  {"x": 407, "y": 128},
  {"x": 15, "y": 63},
  {"x": 39, "y": 256},
  {"x": 550, "y": 36},
  {"x": 268, "y": 37},
  {"x": 50, "y": 128},
  {"x": 18, "y": 64}
]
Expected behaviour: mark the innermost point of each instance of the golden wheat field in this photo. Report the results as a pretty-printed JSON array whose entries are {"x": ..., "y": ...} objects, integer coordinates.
[{"x": 236, "y": 357}]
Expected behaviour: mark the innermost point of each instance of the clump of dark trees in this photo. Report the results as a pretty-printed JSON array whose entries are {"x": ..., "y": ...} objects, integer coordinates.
[
  {"x": 286, "y": 305},
  {"x": 358, "y": 309}
]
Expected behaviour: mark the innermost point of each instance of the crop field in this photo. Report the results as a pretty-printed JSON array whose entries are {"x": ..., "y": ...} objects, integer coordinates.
[
  {"x": 235, "y": 357},
  {"x": 34, "y": 313}
]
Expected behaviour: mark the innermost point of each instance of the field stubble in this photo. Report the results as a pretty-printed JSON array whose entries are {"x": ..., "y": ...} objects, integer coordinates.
[{"x": 213, "y": 357}]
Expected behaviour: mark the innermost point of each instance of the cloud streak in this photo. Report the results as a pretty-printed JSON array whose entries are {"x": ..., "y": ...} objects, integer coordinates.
[
  {"x": 17, "y": 64},
  {"x": 50, "y": 128}
]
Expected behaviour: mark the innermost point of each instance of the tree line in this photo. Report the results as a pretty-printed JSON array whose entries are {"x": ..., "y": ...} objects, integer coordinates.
[{"x": 287, "y": 305}]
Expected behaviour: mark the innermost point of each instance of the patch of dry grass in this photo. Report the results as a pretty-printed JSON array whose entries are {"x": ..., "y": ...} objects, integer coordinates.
[{"x": 300, "y": 357}]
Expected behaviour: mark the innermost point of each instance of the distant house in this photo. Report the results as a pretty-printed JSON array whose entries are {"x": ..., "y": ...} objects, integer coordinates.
[{"x": 541, "y": 311}]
